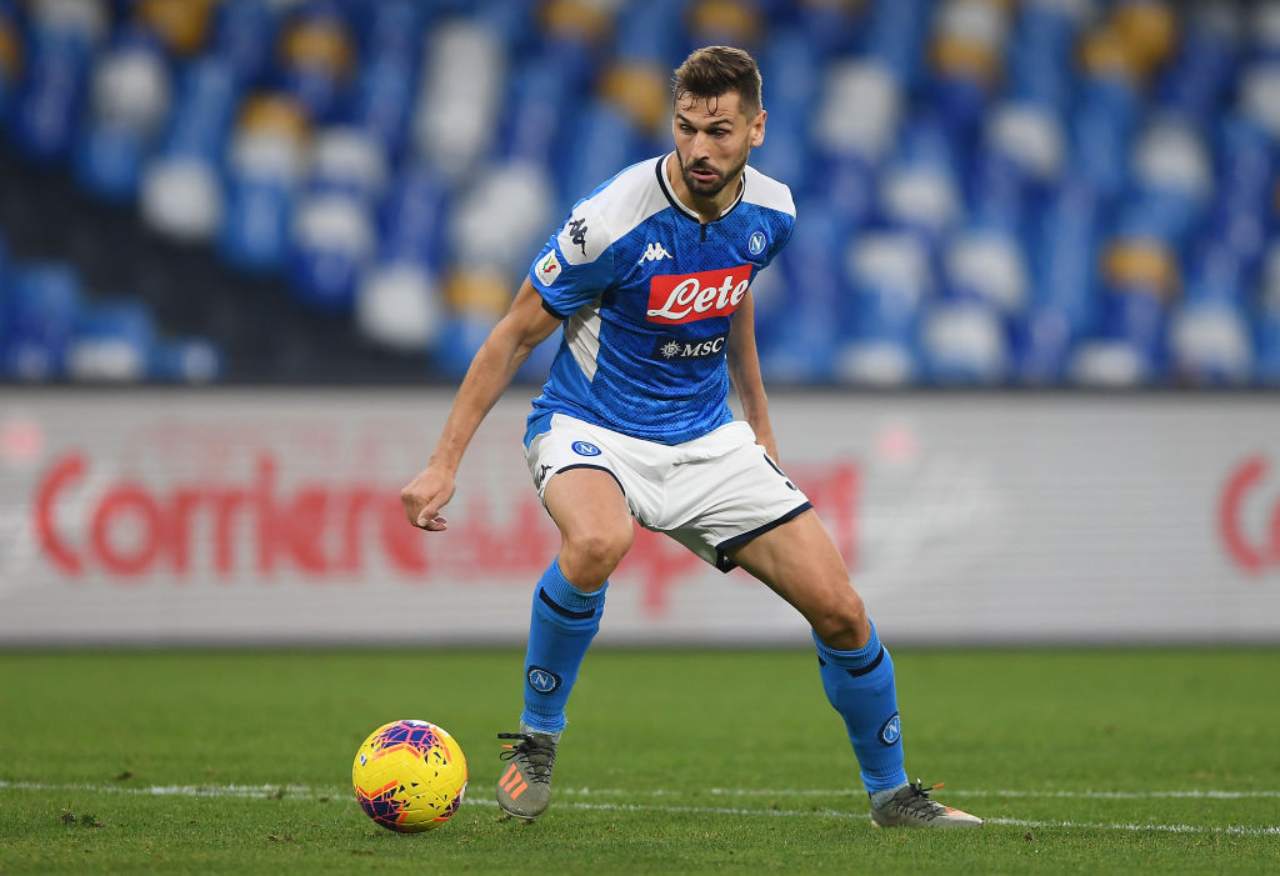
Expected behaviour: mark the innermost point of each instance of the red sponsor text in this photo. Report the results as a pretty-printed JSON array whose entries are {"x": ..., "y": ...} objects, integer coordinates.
[
  {"x": 1254, "y": 551},
  {"x": 678, "y": 298},
  {"x": 254, "y": 529}
]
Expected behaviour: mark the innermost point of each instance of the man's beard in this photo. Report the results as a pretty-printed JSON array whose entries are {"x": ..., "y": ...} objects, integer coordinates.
[{"x": 713, "y": 188}]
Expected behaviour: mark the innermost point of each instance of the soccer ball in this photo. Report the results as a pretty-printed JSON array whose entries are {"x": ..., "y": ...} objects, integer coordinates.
[{"x": 409, "y": 776}]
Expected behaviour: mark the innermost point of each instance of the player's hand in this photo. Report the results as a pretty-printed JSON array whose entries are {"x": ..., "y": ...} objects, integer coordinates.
[{"x": 425, "y": 495}]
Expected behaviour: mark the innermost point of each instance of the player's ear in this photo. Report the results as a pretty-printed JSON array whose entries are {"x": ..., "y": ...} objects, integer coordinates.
[{"x": 757, "y": 129}]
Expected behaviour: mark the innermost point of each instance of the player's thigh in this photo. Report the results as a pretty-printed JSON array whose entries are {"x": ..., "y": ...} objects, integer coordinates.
[
  {"x": 800, "y": 562},
  {"x": 590, "y": 510}
]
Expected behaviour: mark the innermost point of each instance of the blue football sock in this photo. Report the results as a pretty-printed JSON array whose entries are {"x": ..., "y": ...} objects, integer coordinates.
[
  {"x": 860, "y": 686},
  {"x": 565, "y": 620}
]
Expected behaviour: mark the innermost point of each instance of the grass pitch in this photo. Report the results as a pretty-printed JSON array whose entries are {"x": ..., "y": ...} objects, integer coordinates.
[{"x": 674, "y": 762}]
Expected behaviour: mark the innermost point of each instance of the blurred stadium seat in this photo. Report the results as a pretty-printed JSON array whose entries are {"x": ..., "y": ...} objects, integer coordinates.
[{"x": 992, "y": 193}]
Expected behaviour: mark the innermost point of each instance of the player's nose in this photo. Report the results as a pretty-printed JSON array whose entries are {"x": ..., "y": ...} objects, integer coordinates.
[{"x": 701, "y": 147}]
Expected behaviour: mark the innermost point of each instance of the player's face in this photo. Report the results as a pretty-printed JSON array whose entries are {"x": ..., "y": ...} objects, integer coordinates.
[{"x": 713, "y": 138}]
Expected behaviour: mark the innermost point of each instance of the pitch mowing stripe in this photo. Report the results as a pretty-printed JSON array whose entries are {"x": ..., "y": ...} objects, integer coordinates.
[{"x": 306, "y": 792}]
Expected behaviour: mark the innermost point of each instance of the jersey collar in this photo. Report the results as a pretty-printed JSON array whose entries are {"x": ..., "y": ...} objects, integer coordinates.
[{"x": 660, "y": 168}]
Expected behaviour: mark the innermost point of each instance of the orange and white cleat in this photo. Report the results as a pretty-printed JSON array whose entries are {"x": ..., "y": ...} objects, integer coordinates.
[
  {"x": 910, "y": 806},
  {"x": 524, "y": 787}
]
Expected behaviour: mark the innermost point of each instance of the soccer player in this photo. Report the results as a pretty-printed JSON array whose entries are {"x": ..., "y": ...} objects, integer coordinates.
[{"x": 650, "y": 277}]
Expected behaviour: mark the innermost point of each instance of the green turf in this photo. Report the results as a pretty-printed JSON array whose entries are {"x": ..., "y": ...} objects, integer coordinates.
[{"x": 660, "y": 731}]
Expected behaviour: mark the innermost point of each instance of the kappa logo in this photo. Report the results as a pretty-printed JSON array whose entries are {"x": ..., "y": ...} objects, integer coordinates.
[
  {"x": 544, "y": 681},
  {"x": 578, "y": 234},
  {"x": 541, "y": 476},
  {"x": 654, "y": 252},
  {"x": 549, "y": 268}
]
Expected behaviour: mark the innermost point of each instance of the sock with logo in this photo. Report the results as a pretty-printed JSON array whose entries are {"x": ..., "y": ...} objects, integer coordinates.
[
  {"x": 859, "y": 685},
  {"x": 565, "y": 620}
]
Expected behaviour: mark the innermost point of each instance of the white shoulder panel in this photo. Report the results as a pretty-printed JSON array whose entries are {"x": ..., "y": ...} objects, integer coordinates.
[
  {"x": 611, "y": 213},
  {"x": 768, "y": 192}
]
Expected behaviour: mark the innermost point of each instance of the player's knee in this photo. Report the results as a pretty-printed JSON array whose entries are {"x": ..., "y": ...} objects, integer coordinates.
[
  {"x": 841, "y": 620},
  {"x": 596, "y": 554}
]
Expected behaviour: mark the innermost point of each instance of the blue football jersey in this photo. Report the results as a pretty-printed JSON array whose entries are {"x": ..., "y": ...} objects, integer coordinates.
[{"x": 647, "y": 292}]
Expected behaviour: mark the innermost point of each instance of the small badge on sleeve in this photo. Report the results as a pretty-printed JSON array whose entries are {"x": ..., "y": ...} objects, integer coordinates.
[{"x": 549, "y": 268}]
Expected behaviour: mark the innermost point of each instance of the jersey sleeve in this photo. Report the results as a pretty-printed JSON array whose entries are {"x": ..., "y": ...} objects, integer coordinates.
[
  {"x": 576, "y": 264},
  {"x": 781, "y": 238}
]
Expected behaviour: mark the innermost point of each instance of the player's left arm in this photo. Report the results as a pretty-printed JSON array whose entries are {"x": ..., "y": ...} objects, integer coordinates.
[{"x": 744, "y": 373}]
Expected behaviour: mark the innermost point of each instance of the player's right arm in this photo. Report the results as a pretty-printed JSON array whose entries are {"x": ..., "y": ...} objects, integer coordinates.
[{"x": 525, "y": 325}]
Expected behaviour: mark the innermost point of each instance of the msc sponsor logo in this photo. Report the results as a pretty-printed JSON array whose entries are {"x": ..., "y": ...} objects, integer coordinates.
[
  {"x": 679, "y": 348},
  {"x": 544, "y": 681},
  {"x": 680, "y": 298}
]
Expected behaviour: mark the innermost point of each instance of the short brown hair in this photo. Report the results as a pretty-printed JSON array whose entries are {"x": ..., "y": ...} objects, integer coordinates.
[{"x": 715, "y": 70}]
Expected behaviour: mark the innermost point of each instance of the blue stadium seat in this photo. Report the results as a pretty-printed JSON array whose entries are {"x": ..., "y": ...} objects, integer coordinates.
[
  {"x": 333, "y": 241},
  {"x": 964, "y": 343},
  {"x": 111, "y": 342},
  {"x": 889, "y": 278},
  {"x": 1210, "y": 344},
  {"x": 244, "y": 37},
  {"x": 10, "y": 57},
  {"x": 191, "y": 361},
  {"x": 129, "y": 104},
  {"x": 412, "y": 218},
  {"x": 1267, "y": 332},
  {"x": 46, "y": 108},
  {"x": 264, "y": 172},
  {"x": 42, "y": 305},
  {"x": 399, "y": 306}
]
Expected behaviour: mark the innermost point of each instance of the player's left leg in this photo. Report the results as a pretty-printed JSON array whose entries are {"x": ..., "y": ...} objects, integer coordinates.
[{"x": 799, "y": 561}]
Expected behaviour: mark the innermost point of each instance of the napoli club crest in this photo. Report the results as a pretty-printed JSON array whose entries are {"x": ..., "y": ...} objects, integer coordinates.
[
  {"x": 891, "y": 732},
  {"x": 544, "y": 681},
  {"x": 585, "y": 448},
  {"x": 756, "y": 244}
]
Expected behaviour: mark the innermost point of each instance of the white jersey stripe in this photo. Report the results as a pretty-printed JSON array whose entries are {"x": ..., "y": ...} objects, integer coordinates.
[{"x": 582, "y": 334}]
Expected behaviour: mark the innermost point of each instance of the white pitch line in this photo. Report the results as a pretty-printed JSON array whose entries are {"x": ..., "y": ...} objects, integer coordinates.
[
  {"x": 306, "y": 792},
  {"x": 294, "y": 792},
  {"x": 947, "y": 792}
]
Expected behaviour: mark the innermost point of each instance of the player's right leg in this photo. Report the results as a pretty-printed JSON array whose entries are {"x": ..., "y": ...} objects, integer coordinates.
[
  {"x": 588, "y": 507},
  {"x": 798, "y": 560}
]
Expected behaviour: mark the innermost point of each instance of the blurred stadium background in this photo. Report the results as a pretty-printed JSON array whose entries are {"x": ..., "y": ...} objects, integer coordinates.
[{"x": 1047, "y": 192}]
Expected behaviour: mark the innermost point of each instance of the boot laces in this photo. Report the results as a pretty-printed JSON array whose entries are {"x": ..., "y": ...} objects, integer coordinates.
[
  {"x": 535, "y": 757},
  {"x": 914, "y": 800}
]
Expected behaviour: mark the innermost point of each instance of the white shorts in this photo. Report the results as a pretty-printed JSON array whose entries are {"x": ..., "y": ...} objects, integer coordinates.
[{"x": 712, "y": 494}]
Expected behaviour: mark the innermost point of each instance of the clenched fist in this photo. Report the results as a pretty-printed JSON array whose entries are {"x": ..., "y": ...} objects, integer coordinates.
[{"x": 425, "y": 495}]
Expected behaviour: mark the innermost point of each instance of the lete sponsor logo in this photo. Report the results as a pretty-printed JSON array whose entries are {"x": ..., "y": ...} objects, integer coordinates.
[
  {"x": 679, "y": 298},
  {"x": 1251, "y": 547}
]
